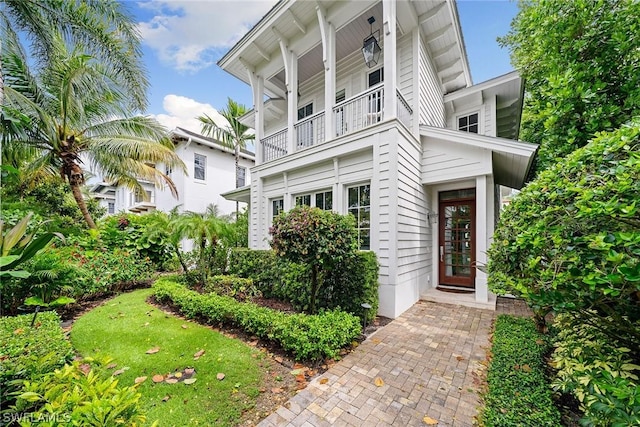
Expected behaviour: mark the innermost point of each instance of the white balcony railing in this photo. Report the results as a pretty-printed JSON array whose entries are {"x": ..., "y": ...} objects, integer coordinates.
[
  {"x": 405, "y": 112},
  {"x": 360, "y": 111},
  {"x": 274, "y": 146},
  {"x": 309, "y": 131}
]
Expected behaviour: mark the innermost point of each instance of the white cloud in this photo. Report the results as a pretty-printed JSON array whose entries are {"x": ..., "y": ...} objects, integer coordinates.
[
  {"x": 192, "y": 35},
  {"x": 183, "y": 112}
]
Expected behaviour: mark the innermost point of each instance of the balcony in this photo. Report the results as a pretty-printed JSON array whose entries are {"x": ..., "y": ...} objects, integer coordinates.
[
  {"x": 140, "y": 204},
  {"x": 351, "y": 115}
]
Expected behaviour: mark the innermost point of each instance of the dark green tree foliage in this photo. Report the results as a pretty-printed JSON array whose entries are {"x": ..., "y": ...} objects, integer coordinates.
[
  {"x": 570, "y": 242},
  {"x": 320, "y": 239},
  {"x": 580, "y": 60}
]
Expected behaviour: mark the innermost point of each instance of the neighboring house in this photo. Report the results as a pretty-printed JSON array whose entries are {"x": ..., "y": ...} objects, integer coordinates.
[
  {"x": 210, "y": 171},
  {"x": 405, "y": 142}
]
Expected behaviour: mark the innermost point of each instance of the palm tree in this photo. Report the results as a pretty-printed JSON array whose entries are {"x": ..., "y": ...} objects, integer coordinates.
[
  {"x": 234, "y": 134},
  {"x": 104, "y": 27},
  {"x": 76, "y": 111}
]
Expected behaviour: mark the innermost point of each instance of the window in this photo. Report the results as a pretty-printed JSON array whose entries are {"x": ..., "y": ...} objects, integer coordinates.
[
  {"x": 305, "y": 111},
  {"x": 111, "y": 207},
  {"x": 199, "y": 166},
  {"x": 304, "y": 131},
  {"x": 359, "y": 202},
  {"x": 376, "y": 77},
  {"x": 468, "y": 123},
  {"x": 168, "y": 170},
  {"x": 241, "y": 175},
  {"x": 341, "y": 124},
  {"x": 277, "y": 206},
  {"x": 322, "y": 200},
  {"x": 341, "y": 95}
]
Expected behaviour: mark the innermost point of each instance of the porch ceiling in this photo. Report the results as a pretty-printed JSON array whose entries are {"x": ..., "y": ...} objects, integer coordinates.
[
  {"x": 510, "y": 160},
  {"x": 297, "y": 22}
]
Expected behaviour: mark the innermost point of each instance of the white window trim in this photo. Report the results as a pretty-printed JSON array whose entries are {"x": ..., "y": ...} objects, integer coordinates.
[
  {"x": 465, "y": 113},
  {"x": 194, "y": 167},
  {"x": 312, "y": 194},
  {"x": 365, "y": 77},
  {"x": 346, "y": 208}
]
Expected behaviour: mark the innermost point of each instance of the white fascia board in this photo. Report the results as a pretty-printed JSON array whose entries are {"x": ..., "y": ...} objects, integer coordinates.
[
  {"x": 463, "y": 50},
  {"x": 504, "y": 145},
  {"x": 489, "y": 84},
  {"x": 206, "y": 142}
]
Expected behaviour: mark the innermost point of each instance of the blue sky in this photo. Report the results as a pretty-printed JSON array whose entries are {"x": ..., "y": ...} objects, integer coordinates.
[{"x": 183, "y": 39}]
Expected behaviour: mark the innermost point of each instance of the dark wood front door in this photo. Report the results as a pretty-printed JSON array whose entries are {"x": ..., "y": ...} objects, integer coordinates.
[{"x": 457, "y": 219}]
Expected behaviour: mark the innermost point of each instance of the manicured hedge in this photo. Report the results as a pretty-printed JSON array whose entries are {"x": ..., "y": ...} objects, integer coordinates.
[
  {"x": 28, "y": 352},
  {"x": 306, "y": 337},
  {"x": 353, "y": 283},
  {"x": 518, "y": 391}
]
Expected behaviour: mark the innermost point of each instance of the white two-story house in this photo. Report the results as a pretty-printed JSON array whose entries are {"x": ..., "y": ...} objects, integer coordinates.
[
  {"x": 367, "y": 107},
  {"x": 210, "y": 172}
]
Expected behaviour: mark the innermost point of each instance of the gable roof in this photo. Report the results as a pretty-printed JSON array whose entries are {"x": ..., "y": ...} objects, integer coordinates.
[{"x": 183, "y": 135}]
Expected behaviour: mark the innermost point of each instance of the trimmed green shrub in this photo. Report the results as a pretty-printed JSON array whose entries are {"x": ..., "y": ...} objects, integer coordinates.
[
  {"x": 78, "y": 394},
  {"x": 306, "y": 337},
  {"x": 570, "y": 241},
  {"x": 29, "y": 352},
  {"x": 518, "y": 393},
  {"x": 319, "y": 239},
  {"x": 598, "y": 371},
  {"x": 236, "y": 287},
  {"x": 351, "y": 283}
]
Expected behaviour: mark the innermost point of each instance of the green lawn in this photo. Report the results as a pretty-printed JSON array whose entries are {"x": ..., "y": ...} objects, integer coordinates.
[{"x": 126, "y": 327}]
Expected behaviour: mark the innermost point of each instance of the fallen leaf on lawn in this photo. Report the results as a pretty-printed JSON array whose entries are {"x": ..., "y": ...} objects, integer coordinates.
[
  {"x": 85, "y": 368},
  {"x": 539, "y": 342},
  {"x": 220, "y": 376},
  {"x": 526, "y": 368},
  {"x": 429, "y": 421},
  {"x": 189, "y": 371},
  {"x": 158, "y": 378},
  {"x": 190, "y": 380},
  {"x": 18, "y": 331},
  {"x": 171, "y": 380},
  {"x": 146, "y": 324},
  {"x": 153, "y": 350},
  {"x": 324, "y": 380},
  {"x": 111, "y": 365},
  {"x": 198, "y": 354},
  {"x": 253, "y": 343},
  {"x": 167, "y": 397},
  {"x": 119, "y": 371},
  {"x": 276, "y": 390},
  {"x": 184, "y": 326},
  {"x": 378, "y": 382},
  {"x": 139, "y": 380},
  {"x": 178, "y": 375}
]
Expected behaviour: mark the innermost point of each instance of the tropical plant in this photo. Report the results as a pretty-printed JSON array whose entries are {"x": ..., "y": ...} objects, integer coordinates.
[
  {"x": 206, "y": 230},
  {"x": 570, "y": 241},
  {"x": 232, "y": 134},
  {"x": 320, "y": 239},
  {"x": 105, "y": 27},
  {"x": 77, "y": 113},
  {"x": 580, "y": 61}
]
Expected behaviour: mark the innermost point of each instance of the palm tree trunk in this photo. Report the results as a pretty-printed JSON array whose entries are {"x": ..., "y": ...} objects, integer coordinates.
[{"x": 77, "y": 194}]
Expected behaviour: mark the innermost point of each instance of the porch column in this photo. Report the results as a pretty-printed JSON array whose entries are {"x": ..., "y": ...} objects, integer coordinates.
[
  {"x": 257, "y": 87},
  {"x": 484, "y": 217},
  {"x": 328, "y": 33},
  {"x": 291, "y": 80},
  {"x": 390, "y": 49}
]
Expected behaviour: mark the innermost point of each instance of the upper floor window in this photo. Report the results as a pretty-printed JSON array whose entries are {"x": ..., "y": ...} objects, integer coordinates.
[
  {"x": 199, "y": 166},
  {"x": 468, "y": 123},
  {"x": 376, "y": 77},
  {"x": 305, "y": 111},
  {"x": 241, "y": 177},
  {"x": 111, "y": 207},
  {"x": 359, "y": 202}
]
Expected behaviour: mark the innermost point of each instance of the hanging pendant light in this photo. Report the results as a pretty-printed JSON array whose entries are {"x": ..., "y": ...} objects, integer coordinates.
[{"x": 370, "y": 47}]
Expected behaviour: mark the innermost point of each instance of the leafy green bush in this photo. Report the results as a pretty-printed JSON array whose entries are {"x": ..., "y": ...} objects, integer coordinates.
[
  {"x": 351, "y": 283},
  {"x": 599, "y": 372},
  {"x": 518, "y": 392},
  {"x": 236, "y": 287},
  {"x": 304, "y": 336},
  {"x": 319, "y": 239},
  {"x": 78, "y": 394},
  {"x": 570, "y": 241},
  {"x": 28, "y": 352}
]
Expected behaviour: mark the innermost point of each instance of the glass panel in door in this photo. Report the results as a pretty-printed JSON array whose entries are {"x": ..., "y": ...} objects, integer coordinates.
[{"x": 457, "y": 242}]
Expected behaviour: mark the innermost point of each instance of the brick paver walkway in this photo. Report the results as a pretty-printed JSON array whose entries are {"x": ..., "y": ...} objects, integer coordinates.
[{"x": 428, "y": 360}]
